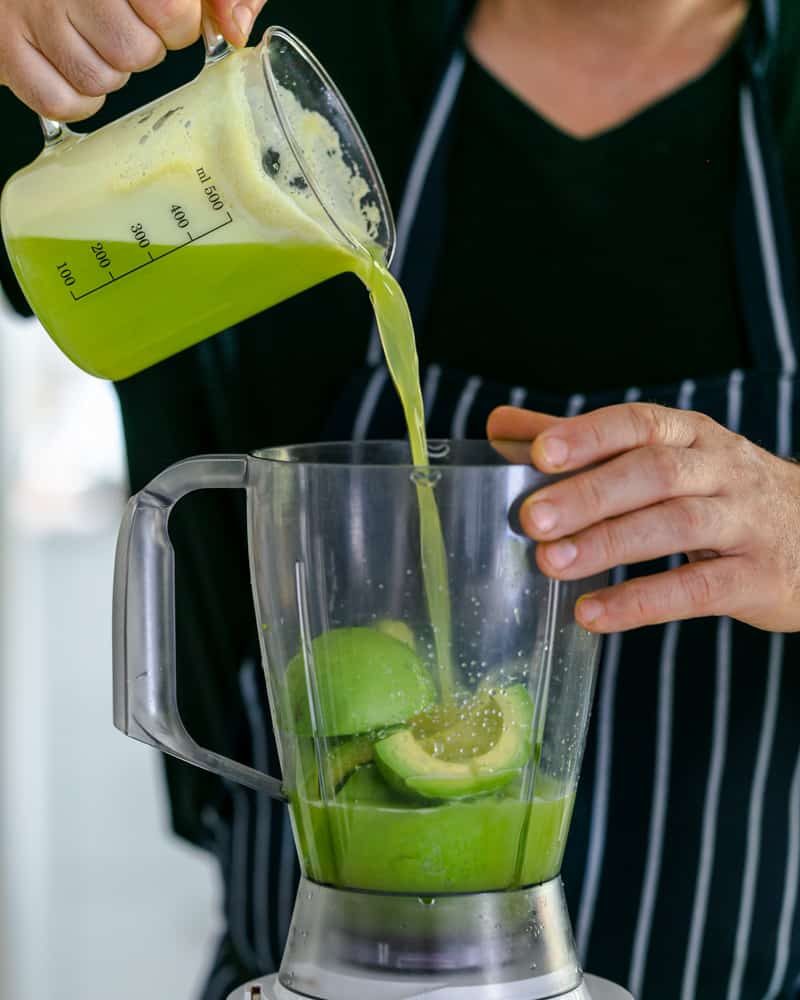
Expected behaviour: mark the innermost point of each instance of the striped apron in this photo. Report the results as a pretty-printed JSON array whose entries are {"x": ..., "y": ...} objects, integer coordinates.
[{"x": 683, "y": 865}]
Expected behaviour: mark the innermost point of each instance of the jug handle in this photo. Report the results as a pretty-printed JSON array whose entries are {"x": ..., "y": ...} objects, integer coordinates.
[
  {"x": 144, "y": 661},
  {"x": 217, "y": 47}
]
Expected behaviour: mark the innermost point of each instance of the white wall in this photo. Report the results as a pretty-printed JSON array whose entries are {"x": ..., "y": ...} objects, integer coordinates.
[{"x": 96, "y": 897}]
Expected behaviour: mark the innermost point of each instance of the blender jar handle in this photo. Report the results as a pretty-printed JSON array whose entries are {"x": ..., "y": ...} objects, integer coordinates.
[
  {"x": 145, "y": 683},
  {"x": 216, "y": 48}
]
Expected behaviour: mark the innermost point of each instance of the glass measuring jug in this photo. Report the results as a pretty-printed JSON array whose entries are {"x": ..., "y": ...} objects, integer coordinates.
[
  {"x": 393, "y": 786},
  {"x": 242, "y": 188}
]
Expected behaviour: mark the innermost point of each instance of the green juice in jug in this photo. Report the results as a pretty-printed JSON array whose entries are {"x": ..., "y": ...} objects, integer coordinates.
[
  {"x": 111, "y": 335},
  {"x": 184, "y": 218}
]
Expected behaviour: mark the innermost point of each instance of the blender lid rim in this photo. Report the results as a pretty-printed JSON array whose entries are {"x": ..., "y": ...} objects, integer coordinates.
[{"x": 438, "y": 448}]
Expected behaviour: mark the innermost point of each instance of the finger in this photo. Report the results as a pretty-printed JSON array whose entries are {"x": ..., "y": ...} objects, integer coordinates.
[
  {"x": 39, "y": 85},
  {"x": 116, "y": 32},
  {"x": 635, "y": 479},
  {"x": 509, "y": 423},
  {"x": 76, "y": 60},
  {"x": 694, "y": 590},
  {"x": 176, "y": 22},
  {"x": 514, "y": 452},
  {"x": 234, "y": 20},
  {"x": 601, "y": 434},
  {"x": 683, "y": 525}
]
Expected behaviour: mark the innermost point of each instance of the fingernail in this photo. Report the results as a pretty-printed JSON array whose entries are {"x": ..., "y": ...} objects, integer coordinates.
[
  {"x": 561, "y": 554},
  {"x": 555, "y": 451},
  {"x": 243, "y": 17},
  {"x": 588, "y": 610},
  {"x": 543, "y": 516}
]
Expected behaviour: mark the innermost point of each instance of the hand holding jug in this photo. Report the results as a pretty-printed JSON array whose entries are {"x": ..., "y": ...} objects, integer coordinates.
[{"x": 63, "y": 59}]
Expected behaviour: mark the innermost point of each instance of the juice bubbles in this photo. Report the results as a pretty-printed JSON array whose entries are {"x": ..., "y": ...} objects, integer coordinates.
[{"x": 143, "y": 238}]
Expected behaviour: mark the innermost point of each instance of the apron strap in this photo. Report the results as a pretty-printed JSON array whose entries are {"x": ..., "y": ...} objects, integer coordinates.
[{"x": 765, "y": 258}]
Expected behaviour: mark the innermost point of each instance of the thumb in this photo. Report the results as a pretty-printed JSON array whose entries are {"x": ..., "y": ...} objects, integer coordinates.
[
  {"x": 511, "y": 431},
  {"x": 509, "y": 423},
  {"x": 233, "y": 18}
]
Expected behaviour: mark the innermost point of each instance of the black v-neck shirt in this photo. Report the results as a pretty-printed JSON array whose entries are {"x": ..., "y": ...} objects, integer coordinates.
[{"x": 584, "y": 264}]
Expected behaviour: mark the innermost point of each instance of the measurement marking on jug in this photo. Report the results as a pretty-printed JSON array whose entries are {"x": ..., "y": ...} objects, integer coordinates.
[
  {"x": 68, "y": 279},
  {"x": 100, "y": 255},
  {"x": 141, "y": 235},
  {"x": 180, "y": 217},
  {"x": 66, "y": 275}
]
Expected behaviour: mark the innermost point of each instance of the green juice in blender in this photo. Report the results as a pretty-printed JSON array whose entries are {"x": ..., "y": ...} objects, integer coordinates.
[{"x": 471, "y": 846}]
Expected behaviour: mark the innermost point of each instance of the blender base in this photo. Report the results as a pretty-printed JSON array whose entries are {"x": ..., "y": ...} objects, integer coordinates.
[
  {"x": 346, "y": 944},
  {"x": 591, "y": 989}
]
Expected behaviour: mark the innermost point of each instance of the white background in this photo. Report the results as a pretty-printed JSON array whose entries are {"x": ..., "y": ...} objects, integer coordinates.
[{"x": 97, "y": 898}]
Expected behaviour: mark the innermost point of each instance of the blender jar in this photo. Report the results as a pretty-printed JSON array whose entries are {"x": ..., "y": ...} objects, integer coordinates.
[{"x": 392, "y": 786}]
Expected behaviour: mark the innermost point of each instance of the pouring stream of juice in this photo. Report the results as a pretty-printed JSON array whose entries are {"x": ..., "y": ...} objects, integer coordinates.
[{"x": 397, "y": 337}]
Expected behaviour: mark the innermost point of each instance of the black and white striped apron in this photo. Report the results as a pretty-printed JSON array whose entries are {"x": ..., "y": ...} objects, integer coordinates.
[{"x": 683, "y": 865}]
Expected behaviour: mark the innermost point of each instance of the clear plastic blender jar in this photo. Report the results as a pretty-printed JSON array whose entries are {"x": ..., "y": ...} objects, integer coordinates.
[{"x": 401, "y": 787}]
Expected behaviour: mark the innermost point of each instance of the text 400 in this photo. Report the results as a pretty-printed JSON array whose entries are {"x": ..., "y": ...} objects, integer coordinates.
[{"x": 179, "y": 216}]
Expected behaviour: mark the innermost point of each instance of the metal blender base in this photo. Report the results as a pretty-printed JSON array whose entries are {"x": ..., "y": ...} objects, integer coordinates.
[
  {"x": 345, "y": 945},
  {"x": 590, "y": 989}
]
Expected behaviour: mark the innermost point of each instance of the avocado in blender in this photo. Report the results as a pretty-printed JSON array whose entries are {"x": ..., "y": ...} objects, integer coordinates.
[
  {"x": 484, "y": 747},
  {"x": 367, "y": 787},
  {"x": 339, "y": 760},
  {"x": 366, "y": 681}
]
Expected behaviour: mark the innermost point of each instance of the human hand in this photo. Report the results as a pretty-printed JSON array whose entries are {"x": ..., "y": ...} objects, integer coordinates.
[
  {"x": 61, "y": 57},
  {"x": 650, "y": 482}
]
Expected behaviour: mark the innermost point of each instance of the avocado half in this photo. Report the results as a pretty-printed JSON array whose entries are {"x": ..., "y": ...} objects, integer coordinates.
[
  {"x": 366, "y": 787},
  {"x": 411, "y": 768},
  {"x": 366, "y": 681}
]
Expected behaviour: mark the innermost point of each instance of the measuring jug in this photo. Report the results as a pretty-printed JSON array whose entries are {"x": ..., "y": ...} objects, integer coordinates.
[{"x": 240, "y": 189}]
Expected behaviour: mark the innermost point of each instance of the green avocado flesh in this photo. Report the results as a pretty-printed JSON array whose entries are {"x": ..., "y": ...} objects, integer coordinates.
[
  {"x": 365, "y": 681},
  {"x": 483, "y": 747}
]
